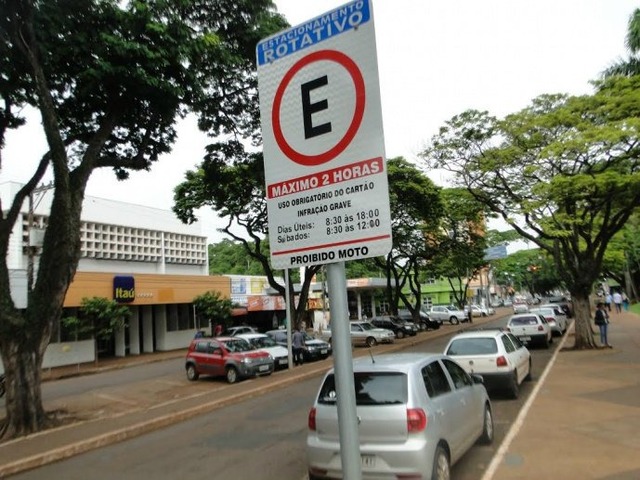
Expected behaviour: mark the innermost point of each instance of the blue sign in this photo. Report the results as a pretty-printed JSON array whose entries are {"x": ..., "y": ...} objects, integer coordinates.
[
  {"x": 124, "y": 289},
  {"x": 495, "y": 253},
  {"x": 333, "y": 23}
]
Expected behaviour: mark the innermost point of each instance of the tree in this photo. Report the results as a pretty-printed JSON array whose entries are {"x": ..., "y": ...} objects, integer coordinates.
[
  {"x": 415, "y": 206},
  {"x": 100, "y": 319},
  {"x": 631, "y": 235},
  {"x": 230, "y": 257},
  {"x": 462, "y": 245},
  {"x": 630, "y": 66},
  {"x": 230, "y": 180},
  {"x": 110, "y": 79},
  {"x": 213, "y": 308},
  {"x": 531, "y": 269},
  {"x": 563, "y": 173}
]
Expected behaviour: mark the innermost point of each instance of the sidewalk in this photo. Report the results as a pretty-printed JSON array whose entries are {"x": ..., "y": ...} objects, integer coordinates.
[{"x": 583, "y": 419}]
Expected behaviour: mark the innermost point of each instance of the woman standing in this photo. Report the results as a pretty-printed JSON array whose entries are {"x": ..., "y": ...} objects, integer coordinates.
[{"x": 602, "y": 320}]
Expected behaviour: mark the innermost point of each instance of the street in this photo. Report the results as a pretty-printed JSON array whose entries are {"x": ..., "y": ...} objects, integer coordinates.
[{"x": 263, "y": 437}]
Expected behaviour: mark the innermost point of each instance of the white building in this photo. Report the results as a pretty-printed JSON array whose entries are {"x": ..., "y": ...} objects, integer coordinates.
[{"x": 163, "y": 260}]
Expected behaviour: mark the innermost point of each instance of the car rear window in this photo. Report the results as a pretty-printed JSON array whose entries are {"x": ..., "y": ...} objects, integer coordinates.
[
  {"x": 473, "y": 346},
  {"x": 372, "y": 388},
  {"x": 524, "y": 321}
]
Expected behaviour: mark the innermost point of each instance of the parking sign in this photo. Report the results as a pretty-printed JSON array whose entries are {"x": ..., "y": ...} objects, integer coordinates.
[{"x": 325, "y": 168}]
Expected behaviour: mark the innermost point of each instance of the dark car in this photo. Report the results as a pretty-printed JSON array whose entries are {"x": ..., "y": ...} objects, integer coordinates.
[
  {"x": 233, "y": 358},
  {"x": 396, "y": 325},
  {"x": 425, "y": 322},
  {"x": 316, "y": 349}
]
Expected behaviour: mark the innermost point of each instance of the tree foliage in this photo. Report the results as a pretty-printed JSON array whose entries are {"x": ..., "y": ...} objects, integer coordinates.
[
  {"x": 100, "y": 318},
  {"x": 110, "y": 79},
  {"x": 631, "y": 65},
  {"x": 460, "y": 253},
  {"x": 415, "y": 207},
  {"x": 563, "y": 173},
  {"x": 213, "y": 309},
  {"x": 530, "y": 271},
  {"x": 230, "y": 180},
  {"x": 230, "y": 257}
]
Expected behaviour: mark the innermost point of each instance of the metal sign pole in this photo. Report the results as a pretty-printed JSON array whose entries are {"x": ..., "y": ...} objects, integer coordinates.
[
  {"x": 287, "y": 309},
  {"x": 343, "y": 368}
]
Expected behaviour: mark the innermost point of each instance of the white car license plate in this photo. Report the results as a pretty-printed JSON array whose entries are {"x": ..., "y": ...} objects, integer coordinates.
[
  {"x": 323, "y": 352},
  {"x": 263, "y": 368},
  {"x": 368, "y": 461},
  {"x": 283, "y": 361},
  {"x": 525, "y": 339}
]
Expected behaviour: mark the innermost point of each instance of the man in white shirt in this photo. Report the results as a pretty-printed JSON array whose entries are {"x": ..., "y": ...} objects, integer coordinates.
[{"x": 617, "y": 301}]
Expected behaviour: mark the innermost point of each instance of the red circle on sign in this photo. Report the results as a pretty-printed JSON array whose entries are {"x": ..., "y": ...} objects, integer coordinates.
[{"x": 338, "y": 148}]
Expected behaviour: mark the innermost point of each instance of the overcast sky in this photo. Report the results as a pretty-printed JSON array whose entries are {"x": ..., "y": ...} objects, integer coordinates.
[{"x": 436, "y": 58}]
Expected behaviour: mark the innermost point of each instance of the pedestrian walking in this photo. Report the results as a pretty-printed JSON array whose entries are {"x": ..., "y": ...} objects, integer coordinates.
[
  {"x": 625, "y": 302},
  {"x": 607, "y": 301},
  {"x": 602, "y": 320},
  {"x": 218, "y": 330},
  {"x": 617, "y": 301},
  {"x": 298, "y": 346}
]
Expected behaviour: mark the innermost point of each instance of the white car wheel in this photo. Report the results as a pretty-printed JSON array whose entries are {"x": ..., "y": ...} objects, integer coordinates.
[
  {"x": 441, "y": 468},
  {"x": 487, "y": 428}
]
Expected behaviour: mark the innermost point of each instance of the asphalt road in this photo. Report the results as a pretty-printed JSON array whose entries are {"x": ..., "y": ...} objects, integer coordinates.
[{"x": 261, "y": 438}]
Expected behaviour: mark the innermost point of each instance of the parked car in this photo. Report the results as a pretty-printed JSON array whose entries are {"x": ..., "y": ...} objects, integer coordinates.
[
  {"x": 520, "y": 307},
  {"x": 396, "y": 325},
  {"x": 231, "y": 357},
  {"x": 423, "y": 321},
  {"x": 479, "y": 311},
  {"x": 233, "y": 331},
  {"x": 417, "y": 415},
  {"x": 449, "y": 314},
  {"x": 564, "y": 303},
  {"x": 530, "y": 328},
  {"x": 555, "y": 317},
  {"x": 363, "y": 334},
  {"x": 502, "y": 360},
  {"x": 317, "y": 349},
  {"x": 261, "y": 341}
]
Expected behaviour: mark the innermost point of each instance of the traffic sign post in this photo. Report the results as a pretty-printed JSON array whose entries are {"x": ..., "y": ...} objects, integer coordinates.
[{"x": 325, "y": 168}]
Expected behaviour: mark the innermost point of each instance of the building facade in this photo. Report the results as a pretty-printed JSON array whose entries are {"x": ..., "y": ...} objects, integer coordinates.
[{"x": 164, "y": 261}]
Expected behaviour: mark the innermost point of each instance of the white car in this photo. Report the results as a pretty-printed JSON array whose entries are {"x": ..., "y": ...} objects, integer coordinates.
[
  {"x": 520, "y": 307},
  {"x": 480, "y": 311},
  {"x": 448, "y": 314},
  {"x": 531, "y": 328},
  {"x": 237, "y": 330},
  {"x": 263, "y": 342},
  {"x": 555, "y": 316},
  {"x": 418, "y": 414},
  {"x": 502, "y": 360}
]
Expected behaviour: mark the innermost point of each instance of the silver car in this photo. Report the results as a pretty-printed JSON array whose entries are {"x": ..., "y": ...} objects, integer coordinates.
[
  {"x": 418, "y": 413},
  {"x": 363, "y": 334},
  {"x": 367, "y": 334}
]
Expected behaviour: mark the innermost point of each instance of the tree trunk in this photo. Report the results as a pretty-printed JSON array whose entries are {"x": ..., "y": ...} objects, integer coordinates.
[
  {"x": 23, "y": 367},
  {"x": 583, "y": 332}
]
